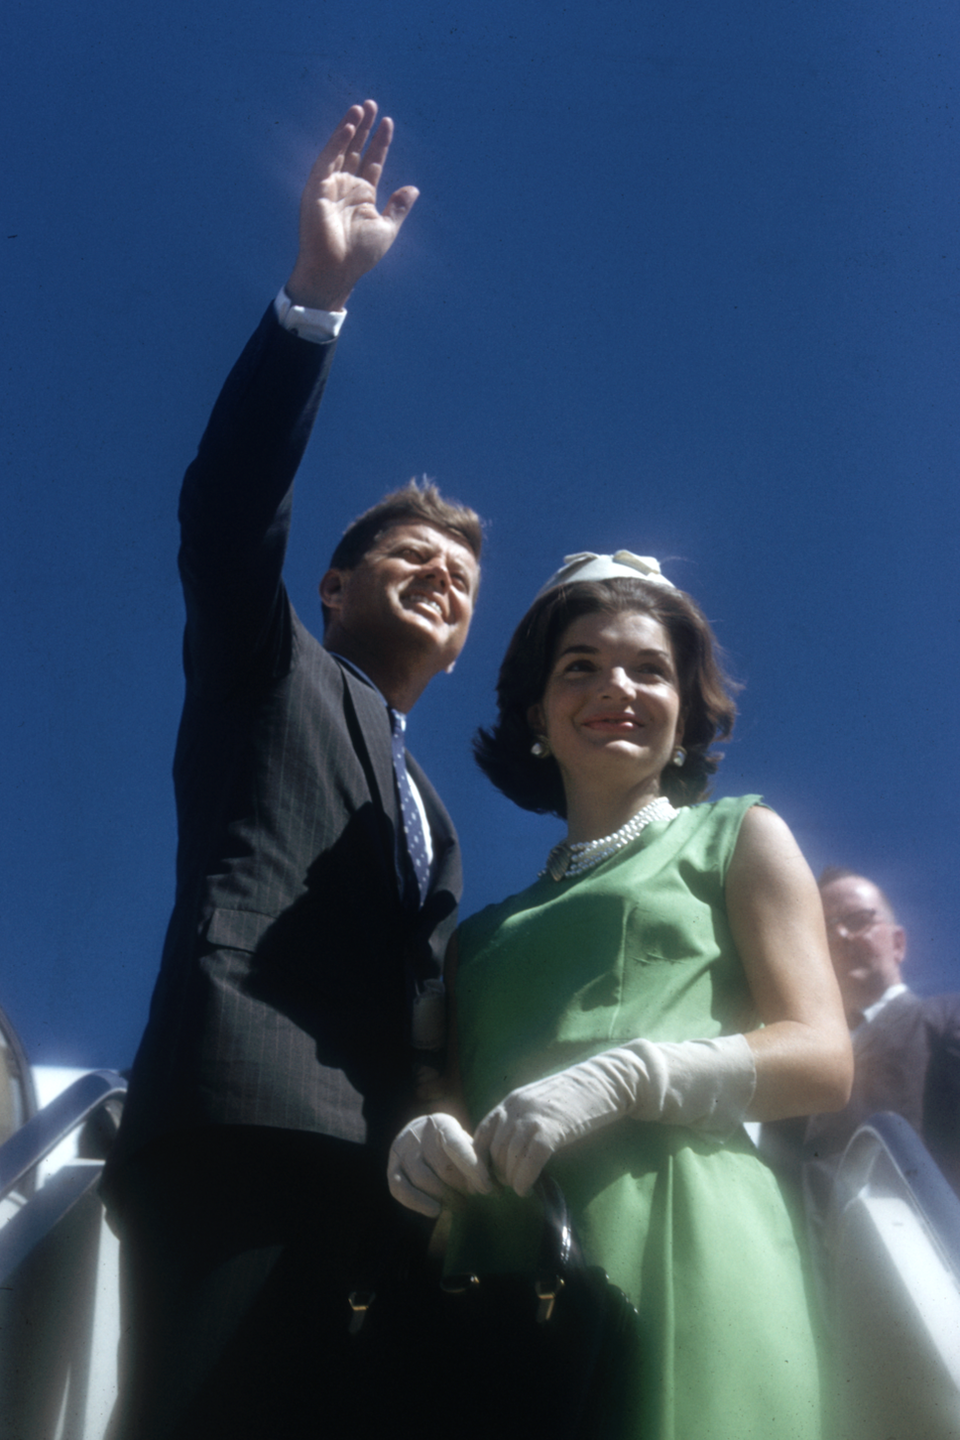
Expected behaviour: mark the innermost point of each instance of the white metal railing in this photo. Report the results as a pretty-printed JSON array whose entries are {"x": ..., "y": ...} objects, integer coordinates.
[
  {"x": 893, "y": 1280},
  {"x": 59, "y": 1277}
]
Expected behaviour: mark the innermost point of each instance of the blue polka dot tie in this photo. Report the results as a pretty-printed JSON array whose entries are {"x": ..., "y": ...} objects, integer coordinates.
[{"x": 418, "y": 883}]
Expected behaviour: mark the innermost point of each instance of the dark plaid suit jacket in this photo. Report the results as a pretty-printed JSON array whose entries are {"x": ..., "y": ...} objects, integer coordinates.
[{"x": 284, "y": 992}]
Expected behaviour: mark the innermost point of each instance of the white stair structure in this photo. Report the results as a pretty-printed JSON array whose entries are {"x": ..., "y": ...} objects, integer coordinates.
[
  {"x": 59, "y": 1277},
  {"x": 893, "y": 1287}
]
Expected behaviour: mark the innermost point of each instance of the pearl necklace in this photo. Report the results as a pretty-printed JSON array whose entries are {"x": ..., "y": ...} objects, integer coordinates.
[{"x": 567, "y": 860}]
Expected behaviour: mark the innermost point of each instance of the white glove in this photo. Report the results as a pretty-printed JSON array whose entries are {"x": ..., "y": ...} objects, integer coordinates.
[
  {"x": 431, "y": 1156},
  {"x": 705, "y": 1084}
]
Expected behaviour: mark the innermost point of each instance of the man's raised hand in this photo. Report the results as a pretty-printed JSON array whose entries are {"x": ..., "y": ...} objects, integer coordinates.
[{"x": 342, "y": 234}]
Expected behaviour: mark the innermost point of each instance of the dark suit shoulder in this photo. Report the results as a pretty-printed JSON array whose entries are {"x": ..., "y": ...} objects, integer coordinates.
[
  {"x": 909, "y": 1013},
  {"x": 942, "y": 1011}
]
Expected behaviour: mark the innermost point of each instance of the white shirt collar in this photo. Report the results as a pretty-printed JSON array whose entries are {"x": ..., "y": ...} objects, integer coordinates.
[{"x": 872, "y": 1011}]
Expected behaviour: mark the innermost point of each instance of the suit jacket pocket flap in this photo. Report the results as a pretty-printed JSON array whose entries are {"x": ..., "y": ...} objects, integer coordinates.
[{"x": 237, "y": 929}]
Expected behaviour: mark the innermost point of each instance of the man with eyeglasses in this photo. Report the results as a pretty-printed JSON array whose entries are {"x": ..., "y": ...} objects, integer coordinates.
[
  {"x": 867, "y": 945},
  {"x": 906, "y": 1047}
]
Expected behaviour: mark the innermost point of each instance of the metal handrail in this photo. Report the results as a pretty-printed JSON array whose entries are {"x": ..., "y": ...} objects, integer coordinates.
[
  {"x": 891, "y": 1139},
  {"x": 22, "y": 1064},
  {"x": 34, "y": 1141}
]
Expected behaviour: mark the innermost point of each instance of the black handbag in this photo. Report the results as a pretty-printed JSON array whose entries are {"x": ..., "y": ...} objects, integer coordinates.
[{"x": 503, "y": 1356}]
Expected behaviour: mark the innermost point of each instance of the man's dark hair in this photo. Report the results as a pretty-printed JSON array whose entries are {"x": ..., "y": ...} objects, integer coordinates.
[
  {"x": 503, "y": 751},
  {"x": 415, "y": 504}
]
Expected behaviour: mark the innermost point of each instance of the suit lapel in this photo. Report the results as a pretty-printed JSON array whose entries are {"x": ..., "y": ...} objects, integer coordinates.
[{"x": 370, "y": 732}]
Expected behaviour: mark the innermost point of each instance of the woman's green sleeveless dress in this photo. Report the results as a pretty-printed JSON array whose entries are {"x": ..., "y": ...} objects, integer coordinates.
[{"x": 696, "y": 1233}]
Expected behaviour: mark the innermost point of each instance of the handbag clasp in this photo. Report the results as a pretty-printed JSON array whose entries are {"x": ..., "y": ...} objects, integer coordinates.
[
  {"x": 359, "y": 1302},
  {"x": 459, "y": 1284},
  {"x": 547, "y": 1292}
]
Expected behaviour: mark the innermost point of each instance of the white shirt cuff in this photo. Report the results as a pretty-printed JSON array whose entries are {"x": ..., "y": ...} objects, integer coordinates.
[{"x": 315, "y": 325}]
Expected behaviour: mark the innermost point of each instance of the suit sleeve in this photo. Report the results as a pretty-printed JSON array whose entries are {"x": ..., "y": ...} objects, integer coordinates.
[{"x": 235, "y": 510}]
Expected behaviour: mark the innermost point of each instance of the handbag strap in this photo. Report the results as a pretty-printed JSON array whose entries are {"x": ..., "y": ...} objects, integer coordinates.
[
  {"x": 560, "y": 1252},
  {"x": 560, "y": 1249}
]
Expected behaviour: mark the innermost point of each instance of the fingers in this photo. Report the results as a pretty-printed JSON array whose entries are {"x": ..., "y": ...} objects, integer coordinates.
[
  {"x": 351, "y": 135},
  {"x": 345, "y": 146},
  {"x": 431, "y": 1157},
  {"x": 527, "y": 1168},
  {"x": 343, "y": 154},
  {"x": 457, "y": 1148},
  {"x": 376, "y": 156},
  {"x": 515, "y": 1147},
  {"x": 415, "y": 1186},
  {"x": 354, "y": 147},
  {"x": 488, "y": 1141},
  {"x": 400, "y": 204},
  {"x": 331, "y": 157}
]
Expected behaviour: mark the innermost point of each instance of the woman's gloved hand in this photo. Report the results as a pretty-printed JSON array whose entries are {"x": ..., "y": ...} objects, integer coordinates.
[
  {"x": 705, "y": 1084},
  {"x": 432, "y": 1156}
]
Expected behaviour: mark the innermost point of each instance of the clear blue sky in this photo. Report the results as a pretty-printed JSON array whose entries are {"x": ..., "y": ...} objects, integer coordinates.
[{"x": 682, "y": 279}]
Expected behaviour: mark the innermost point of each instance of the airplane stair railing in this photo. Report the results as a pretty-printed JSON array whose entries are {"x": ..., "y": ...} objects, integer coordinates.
[
  {"x": 59, "y": 1284},
  {"x": 893, "y": 1262},
  {"x": 18, "y": 1095}
]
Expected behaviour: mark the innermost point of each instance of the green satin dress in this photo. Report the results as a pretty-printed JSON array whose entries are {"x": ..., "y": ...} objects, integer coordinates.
[{"x": 698, "y": 1234}]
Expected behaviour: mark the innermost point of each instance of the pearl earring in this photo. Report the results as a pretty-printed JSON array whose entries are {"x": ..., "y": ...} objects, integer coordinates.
[
  {"x": 540, "y": 748},
  {"x": 679, "y": 756}
]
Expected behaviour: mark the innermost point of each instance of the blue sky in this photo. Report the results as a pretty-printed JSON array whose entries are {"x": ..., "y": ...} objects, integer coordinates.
[{"x": 681, "y": 279}]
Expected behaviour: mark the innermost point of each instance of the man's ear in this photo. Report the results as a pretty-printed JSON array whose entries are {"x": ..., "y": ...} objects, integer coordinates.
[
  {"x": 899, "y": 944},
  {"x": 331, "y": 589}
]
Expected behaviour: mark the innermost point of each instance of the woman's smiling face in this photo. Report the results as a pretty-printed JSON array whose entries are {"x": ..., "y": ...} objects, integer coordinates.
[{"x": 612, "y": 711}]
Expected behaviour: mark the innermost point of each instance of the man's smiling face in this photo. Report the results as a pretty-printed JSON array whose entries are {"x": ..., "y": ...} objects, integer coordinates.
[{"x": 415, "y": 588}]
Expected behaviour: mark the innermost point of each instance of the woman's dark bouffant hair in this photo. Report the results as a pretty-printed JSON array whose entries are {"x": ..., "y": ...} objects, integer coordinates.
[{"x": 503, "y": 751}]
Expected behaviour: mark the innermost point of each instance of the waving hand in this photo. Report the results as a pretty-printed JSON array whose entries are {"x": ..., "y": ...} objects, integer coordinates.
[{"x": 342, "y": 234}]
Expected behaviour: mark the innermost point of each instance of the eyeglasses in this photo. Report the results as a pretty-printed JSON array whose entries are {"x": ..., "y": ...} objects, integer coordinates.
[{"x": 853, "y": 922}]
